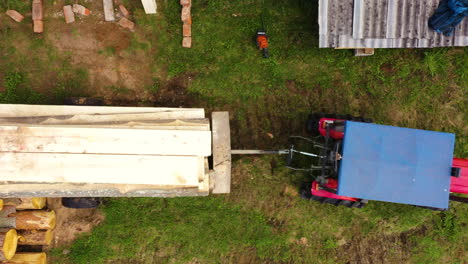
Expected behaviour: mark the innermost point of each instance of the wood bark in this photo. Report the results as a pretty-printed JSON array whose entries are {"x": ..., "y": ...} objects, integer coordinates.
[
  {"x": 35, "y": 219},
  {"x": 28, "y": 258},
  {"x": 7, "y": 220},
  {"x": 35, "y": 237},
  {"x": 26, "y": 203},
  {"x": 8, "y": 244},
  {"x": 95, "y": 190}
]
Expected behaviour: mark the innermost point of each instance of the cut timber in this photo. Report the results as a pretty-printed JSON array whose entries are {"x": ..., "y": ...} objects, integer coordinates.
[
  {"x": 26, "y": 203},
  {"x": 7, "y": 220},
  {"x": 15, "y": 15},
  {"x": 37, "y": 12},
  {"x": 149, "y": 6},
  {"x": 363, "y": 52},
  {"x": 187, "y": 42},
  {"x": 108, "y": 10},
  {"x": 124, "y": 11},
  {"x": 126, "y": 23},
  {"x": 8, "y": 244},
  {"x": 104, "y": 141},
  {"x": 182, "y": 171},
  {"x": 221, "y": 152},
  {"x": 35, "y": 219},
  {"x": 38, "y": 26},
  {"x": 28, "y": 258},
  {"x": 35, "y": 237},
  {"x": 1, "y": 204},
  {"x": 68, "y": 14},
  {"x": 95, "y": 190},
  {"x": 171, "y": 124},
  {"x": 105, "y": 118},
  {"x": 19, "y": 110}
]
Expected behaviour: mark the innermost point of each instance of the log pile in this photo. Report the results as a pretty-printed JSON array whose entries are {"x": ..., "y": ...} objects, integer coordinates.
[
  {"x": 25, "y": 223},
  {"x": 92, "y": 151}
]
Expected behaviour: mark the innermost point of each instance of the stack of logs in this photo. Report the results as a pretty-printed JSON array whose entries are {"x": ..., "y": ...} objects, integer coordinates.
[
  {"x": 25, "y": 227},
  {"x": 186, "y": 17}
]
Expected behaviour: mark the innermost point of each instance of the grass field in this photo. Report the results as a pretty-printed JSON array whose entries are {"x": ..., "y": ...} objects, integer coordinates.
[{"x": 263, "y": 220}]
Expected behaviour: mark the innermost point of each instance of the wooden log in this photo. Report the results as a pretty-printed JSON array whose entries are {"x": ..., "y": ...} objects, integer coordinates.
[
  {"x": 35, "y": 219},
  {"x": 149, "y": 6},
  {"x": 35, "y": 237},
  {"x": 28, "y": 258},
  {"x": 221, "y": 152},
  {"x": 1, "y": 204},
  {"x": 68, "y": 14},
  {"x": 21, "y": 110},
  {"x": 182, "y": 171},
  {"x": 26, "y": 203},
  {"x": 108, "y": 10},
  {"x": 8, "y": 244},
  {"x": 7, "y": 220},
  {"x": 37, "y": 12}
]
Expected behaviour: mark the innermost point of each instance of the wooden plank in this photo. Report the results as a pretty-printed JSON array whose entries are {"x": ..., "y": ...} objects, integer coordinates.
[
  {"x": 21, "y": 110},
  {"x": 104, "y": 141},
  {"x": 37, "y": 12},
  {"x": 108, "y": 10},
  {"x": 171, "y": 124},
  {"x": 221, "y": 152},
  {"x": 106, "y": 118},
  {"x": 183, "y": 171},
  {"x": 11, "y": 190},
  {"x": 149, "y": 6}
]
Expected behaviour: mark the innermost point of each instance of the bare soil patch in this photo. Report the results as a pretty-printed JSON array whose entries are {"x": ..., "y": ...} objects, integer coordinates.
[
  {"x": 116, "y": 70},
  {"x": 72, "y": 222}
]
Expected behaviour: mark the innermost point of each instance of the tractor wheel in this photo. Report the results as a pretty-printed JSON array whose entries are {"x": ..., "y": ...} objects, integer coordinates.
[
  {"x": 306, "y": 194},
  {"x": 313, "y": 121},
  {"x": 81, "y": 203}
]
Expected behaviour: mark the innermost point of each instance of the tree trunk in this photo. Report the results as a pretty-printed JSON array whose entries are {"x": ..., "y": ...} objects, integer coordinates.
[
  {"x": 36, "y": 219},
  {"x": 8, "y": 243},
  {"x": 28, "y": 258},
  {"x": 26, "y": 203},
  {"x": 35, "y": 237}
]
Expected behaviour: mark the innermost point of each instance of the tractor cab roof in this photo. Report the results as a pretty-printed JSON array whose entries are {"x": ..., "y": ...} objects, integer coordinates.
[{"x": 394, "y": 164}]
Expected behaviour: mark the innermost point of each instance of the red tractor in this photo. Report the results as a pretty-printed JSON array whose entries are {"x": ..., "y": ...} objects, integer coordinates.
[{"x": 360, "y": 161}]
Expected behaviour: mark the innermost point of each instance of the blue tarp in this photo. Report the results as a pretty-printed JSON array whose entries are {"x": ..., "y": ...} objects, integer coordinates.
[
  {"x": 448, "y": 15},
  {"x": 394, "y": 164}
]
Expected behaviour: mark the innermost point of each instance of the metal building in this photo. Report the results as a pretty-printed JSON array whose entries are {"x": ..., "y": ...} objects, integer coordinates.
[{"x": 383, "y": 24}]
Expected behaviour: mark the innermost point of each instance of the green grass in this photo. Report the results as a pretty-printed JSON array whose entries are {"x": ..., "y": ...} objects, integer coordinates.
[{"x": 260, "y": 221}]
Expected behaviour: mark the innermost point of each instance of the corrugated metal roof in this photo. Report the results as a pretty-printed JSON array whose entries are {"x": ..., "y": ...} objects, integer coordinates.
[{"x": 383, "y": 24}]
